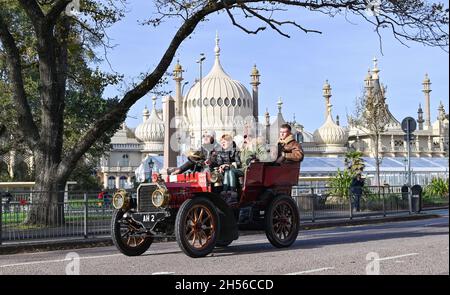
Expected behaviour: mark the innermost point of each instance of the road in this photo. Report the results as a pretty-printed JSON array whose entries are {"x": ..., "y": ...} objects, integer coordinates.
[{"x": 407, "y": 247}]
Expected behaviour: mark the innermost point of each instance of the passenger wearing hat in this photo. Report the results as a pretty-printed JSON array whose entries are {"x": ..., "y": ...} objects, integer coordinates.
[{"x": 205, "y": 156}]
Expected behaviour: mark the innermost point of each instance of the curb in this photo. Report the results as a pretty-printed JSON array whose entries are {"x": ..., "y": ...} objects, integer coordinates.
[
  {"x": 53, "y": 245},
  {"x": 367, "y": 220}
]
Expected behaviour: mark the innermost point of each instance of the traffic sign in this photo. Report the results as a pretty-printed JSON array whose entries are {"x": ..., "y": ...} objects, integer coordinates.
[
  {"x": 411, "y": 137},
  {"x": 409, "y": 125}
]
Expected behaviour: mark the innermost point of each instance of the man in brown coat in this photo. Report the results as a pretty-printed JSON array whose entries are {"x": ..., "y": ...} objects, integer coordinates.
[{"x": 289, "y": 150}]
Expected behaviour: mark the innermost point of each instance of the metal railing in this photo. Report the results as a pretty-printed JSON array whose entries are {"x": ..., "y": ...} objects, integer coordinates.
[
  {"x": 79, "y": 215},
  {"x": 323, "y": 203},
  {"x": 83, "y": 215}
]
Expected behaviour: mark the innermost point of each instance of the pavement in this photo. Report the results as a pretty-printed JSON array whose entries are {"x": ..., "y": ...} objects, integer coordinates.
[{"x": 404, "y": 247}]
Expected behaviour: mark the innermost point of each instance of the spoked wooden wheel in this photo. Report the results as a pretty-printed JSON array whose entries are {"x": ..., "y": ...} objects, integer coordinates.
[
  {"x": 282, "y": 222},
  {"x": 196, "y": 227},
  {"x": 129, "y": 237},
  {"x": 200, "y": 226},
  {"x": 125, "y": 237}
]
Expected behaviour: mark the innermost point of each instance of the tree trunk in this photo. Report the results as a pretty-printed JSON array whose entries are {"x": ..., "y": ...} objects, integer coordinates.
[{"x": 47, "y": 207}]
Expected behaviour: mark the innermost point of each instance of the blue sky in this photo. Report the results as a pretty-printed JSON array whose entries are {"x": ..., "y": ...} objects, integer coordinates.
[{"x": 293, "y": 69}]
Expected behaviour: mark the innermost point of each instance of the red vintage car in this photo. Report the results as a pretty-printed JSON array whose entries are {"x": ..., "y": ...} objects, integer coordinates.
[{"x": 190, "y": 207}]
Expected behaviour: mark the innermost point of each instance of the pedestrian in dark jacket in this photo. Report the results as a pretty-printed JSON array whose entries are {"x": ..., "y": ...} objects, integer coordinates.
[{"x": 356, "y": 189}]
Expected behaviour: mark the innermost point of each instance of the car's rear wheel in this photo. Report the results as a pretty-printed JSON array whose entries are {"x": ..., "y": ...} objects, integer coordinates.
[
  {"x": 196, "y": 227},
  {"x": 126, "y": 238},
  {"x": 282, "y": 221}
]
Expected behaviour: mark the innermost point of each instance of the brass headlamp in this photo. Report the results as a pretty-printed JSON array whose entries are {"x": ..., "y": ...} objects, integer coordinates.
[
  {"x": 121, "y": 199},
  {"x": 160, "y": 197}
]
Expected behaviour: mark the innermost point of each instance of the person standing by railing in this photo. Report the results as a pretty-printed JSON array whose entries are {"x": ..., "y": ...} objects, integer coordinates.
[{"x": 356, "y": 189}]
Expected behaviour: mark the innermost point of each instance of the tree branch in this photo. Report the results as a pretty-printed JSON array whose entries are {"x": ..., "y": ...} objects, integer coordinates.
[
  {"x": 34, "y": 12},
  {"x": 56, "y": 10},
  {"x": 120, "y": 110},
  {"x": 27, "y": 127}
]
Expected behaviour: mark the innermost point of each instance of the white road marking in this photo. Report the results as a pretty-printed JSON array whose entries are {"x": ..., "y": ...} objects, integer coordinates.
[
  {"x": 82, "y": 257},
  {"x": 164, "y": 273},
  {"x": 436, "y": 223},
  {"x": 309, "y": 271},
  {"x": 395, "y": 257},
  {"x": 56, "y": 260},
  {"x": 338, "y": 233}
]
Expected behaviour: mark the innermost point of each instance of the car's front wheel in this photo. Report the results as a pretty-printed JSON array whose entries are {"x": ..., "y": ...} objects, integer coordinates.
[
  {"x": 126, "y": 237},
  {"x": 197, "y": 227},
  {"x": 282, "y": 221}
]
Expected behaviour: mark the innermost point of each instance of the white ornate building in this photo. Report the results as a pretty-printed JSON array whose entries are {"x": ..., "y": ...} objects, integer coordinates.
[{"x": 228, "y": 107}]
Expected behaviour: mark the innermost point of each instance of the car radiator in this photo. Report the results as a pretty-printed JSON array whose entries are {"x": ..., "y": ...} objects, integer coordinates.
[{"x": 144, "y": 198}]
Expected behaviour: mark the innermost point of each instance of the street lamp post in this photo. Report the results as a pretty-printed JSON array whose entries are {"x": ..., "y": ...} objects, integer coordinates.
[
  {"x": 200, "y": 62},
  {"x": 150, "y": 165}
]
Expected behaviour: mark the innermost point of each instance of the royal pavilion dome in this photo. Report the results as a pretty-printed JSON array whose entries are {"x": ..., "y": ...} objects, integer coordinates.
[
  {"x": 151, "y": 130},
  {"x": 224, "y": 100},
  {"x": 330, "y": 133}
]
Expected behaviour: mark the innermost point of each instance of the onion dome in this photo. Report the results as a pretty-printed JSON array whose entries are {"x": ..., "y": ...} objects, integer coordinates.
[
  {"x": 330, "y": 133},
  {"x": 151, "y": 130},
  {"x": 223, "y": 99}
]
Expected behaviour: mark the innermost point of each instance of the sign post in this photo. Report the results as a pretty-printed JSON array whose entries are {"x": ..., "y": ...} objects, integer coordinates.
[{"x": 409, "y": 126}]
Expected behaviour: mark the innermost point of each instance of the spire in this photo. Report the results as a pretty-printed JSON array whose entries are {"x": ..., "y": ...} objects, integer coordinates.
[
  {"x": 217, "y": 48},
  {"x": 255, "y": 76},
  {"x": 420, "y": 119},
  {"x": 145, "y": 113},
  {"x": 279, "y": 104},
  {"x": 178, "y": 72},
  {"x": 217, "y": 69},
  {"x": 441, "y": 111},
  {"x": 375, "y": 69},
  {"x": 426, "y": 90},
  {"x": 329, "y": 109},
  {"x": 154, "y": 98},
  {"x": 267, "y": 117},
  {"x": 326, "y": 94},
  {"x": 426, "y": 84}
]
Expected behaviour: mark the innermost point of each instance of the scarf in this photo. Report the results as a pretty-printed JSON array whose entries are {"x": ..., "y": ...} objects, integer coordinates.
[{"x": 286, "y": 140}]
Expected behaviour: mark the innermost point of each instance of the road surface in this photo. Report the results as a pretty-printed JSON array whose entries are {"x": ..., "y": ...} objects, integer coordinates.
[{"x": 407, "y": 247}]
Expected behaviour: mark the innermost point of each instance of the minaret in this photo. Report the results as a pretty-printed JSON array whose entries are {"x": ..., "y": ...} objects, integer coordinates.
[
  {"x": 420, "y": 117},
  {"x": 441, "y": 112},
  {"x": 255, "y": 83},
  {"x": 368, "y": 83},
  {"x": 279, "y": 104},
  {"x": 267, "y": 119},
  {"x": 426, "y": 89},
  {"x": 326, "y": 94},
  {"x": 178, "y": 77},
  {"x": 375, "y": 69}
]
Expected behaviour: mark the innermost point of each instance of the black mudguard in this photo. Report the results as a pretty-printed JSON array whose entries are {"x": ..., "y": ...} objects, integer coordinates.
[{"x": 228, "y": 226}]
